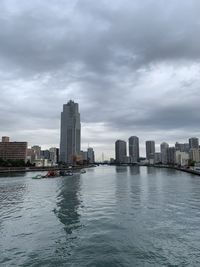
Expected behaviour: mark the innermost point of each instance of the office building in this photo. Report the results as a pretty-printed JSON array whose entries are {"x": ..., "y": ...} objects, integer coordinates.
[
  {"x": 12, "y": 150},
  {"x": 70, "y": 134},
  {"x": 181, "y": 158},
  {"x": 120, "y": 151},
  {"x": 45, "y": 154},
  {"x": 90, "y": 155},
  {"x": 37, "y": 152},
  {"x": 194, "y": 143},
  {"x": 150, "y": 149},
  {"x": 134, "y": 154}
]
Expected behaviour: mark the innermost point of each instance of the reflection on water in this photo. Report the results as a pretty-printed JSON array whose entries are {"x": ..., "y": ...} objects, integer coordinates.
[
  {"x": 134, "y": 170},
  {"x": 121, "y": 168},
  {"x": 68, "y": 203}
]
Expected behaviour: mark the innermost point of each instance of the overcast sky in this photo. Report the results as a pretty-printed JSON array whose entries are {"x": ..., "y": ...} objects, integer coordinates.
[{"x": 133, "y": 67}]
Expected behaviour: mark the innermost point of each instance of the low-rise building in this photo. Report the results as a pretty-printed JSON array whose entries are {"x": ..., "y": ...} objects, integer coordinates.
[
  {"x": 157, "y": 158},
  {"x": 12, "y": 150},
  {"x": 182, "y": 158},
  {"x": 195, "y": 155}
]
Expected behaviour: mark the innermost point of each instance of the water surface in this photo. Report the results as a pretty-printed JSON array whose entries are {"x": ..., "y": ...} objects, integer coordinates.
[{"x": 110, "y": 216}]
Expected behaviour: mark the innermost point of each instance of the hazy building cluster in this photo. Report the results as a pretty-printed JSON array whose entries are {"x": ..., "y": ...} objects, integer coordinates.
[
  {"x": 181, "y": 154},
  {"x": 43, "y": 158}
]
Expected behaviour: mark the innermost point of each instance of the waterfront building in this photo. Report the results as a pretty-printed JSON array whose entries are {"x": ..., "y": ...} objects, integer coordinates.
[
  {"x": 195, "y": 155},
  {"x": 171, "y": 155},
  {"x": 57, "y": 154},
  {"x": 194, "y": 143},
  {"x": 5, "y": 139},
  {"x": 70, "y": 134},
  {"x": 45, "y": 154},
  {"x": 120, "y": 151},
  {"x": 42, "y": 163},
  {"x": 84, "y": 155},
  {"x": 53, "y": 155},
  {"x": 112, "y": 160},
  {"x": 150, "y": 149},
  {"x": 163, "y": 150},
  {"x": 157, "y": 158},
  {"x": 90, "y": 155},
  {"x": 181, "y": 158},
  {"x": 12, "y": 150},
  {"x": 127, "y": 160},
  {"x": 37, "y": 152},
  {"x": 134, "y": 153}
]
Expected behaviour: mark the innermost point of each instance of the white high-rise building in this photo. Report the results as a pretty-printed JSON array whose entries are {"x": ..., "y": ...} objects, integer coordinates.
[
  {"x": 134, "y": 153},
  {"x": 70, "y": 134}
]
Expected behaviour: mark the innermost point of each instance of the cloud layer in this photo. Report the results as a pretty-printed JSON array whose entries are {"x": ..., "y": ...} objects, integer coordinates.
[{"x": 133, "y": 66}]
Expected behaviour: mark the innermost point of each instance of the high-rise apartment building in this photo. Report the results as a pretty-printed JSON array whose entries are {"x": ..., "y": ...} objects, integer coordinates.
[
  {"x": 150, "y": 149},
  {"x": 120, "y": 151},
  {"x": 182, "y": 147},
  {"x": 163, "y": 150},
  {"x": 134, "y": 153},
  {"x": 70, "y": 134},
  {"x": 194, "y": 143},
  {"x": 171, "y": 155},
  {"x": 12, "y": 150}
]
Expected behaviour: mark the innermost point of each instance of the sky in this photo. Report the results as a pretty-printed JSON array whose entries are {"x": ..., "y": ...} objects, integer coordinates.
[{"x": 133, "y": 67}]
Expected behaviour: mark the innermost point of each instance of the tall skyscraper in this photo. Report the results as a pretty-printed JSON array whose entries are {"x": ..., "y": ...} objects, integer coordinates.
[
  {"x": 70, "y": 134},
  {"x": 120, "y": 151},
  {"x": 194, "y": 143},
  {"x": 134, "y": 148},
  {"x": 163, "y": 150},
  {"x": 150, "y": 149}
]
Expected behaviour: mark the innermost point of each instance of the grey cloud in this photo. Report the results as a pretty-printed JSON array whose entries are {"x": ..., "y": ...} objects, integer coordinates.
[{"x": 132, "y": 65}]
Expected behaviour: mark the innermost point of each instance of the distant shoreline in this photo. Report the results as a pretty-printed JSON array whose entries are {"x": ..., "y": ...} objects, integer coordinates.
[
  {"x": 56, "y": 168},
  {"x": 37, "y": 169}
]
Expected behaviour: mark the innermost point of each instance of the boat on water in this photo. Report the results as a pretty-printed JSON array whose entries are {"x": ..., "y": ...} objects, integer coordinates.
[
  {"x": 83, "y": 171},
  {"x": 54, "y": 174},
  {"x": 69, "y": 173},
  {"x": 39, "y": 176}
]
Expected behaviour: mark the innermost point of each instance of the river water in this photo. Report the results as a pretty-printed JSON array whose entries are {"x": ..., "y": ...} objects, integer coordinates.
[{"x": 107, "y": 217}]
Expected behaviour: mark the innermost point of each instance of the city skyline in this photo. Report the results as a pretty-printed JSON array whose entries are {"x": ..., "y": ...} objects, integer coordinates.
[{"x": 132, "y": 66}]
